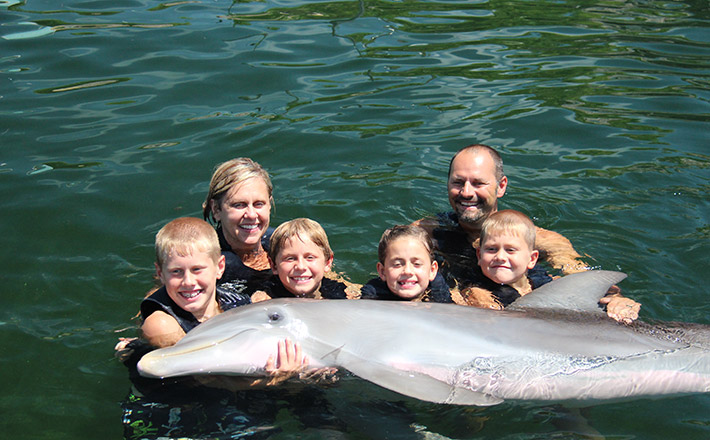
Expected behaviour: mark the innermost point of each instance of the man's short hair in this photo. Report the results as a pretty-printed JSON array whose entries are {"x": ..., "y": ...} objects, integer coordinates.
[{"x": 497, "y": 160}]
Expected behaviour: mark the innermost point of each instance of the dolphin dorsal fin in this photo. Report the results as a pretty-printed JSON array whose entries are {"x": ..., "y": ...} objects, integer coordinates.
[{"x": 577, "y": 292}]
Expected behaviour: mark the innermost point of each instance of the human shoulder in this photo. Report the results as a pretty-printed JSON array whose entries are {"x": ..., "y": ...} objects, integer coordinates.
[
  {"x": 161, "y": 330},
  {"x": 351, "y": 290},
  {"x": 427, "y": 223},
  {"x": 433, "y": 222},
  {"x": 477, "y": 297},
  {"x": 558, "y": 251}
]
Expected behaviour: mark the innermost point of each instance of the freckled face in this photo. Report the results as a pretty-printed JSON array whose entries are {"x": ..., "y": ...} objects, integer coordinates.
[
  {"x": 505, "y": 258},
  {"x": 408, "y": 268},
  {"x": 191, "y": 281},
  {"x": 244, "y": 213},
  {"x": 472, "y": 186},
  {"x": 301, "y": 265}
]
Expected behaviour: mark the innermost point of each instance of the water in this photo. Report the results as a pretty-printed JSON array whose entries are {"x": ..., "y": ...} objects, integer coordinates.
[{"x": 113, "y": 115}]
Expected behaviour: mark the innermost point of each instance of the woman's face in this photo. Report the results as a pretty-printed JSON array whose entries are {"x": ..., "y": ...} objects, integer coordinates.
[{"x": 244, "y": 213}]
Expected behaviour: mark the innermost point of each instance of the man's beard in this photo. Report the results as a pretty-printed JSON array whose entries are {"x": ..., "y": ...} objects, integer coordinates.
[{"x": 476, "y": 217}]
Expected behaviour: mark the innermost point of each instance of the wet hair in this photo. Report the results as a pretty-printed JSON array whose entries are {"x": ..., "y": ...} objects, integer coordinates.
[
  {"x": 401, "y": 231},
  {"x": 229, "y": 174},
  {"x": 183, "y": 236},
  {"x": 475, "y": 148},
  {"x": 302, "y": 228},
  {"x": 511, "y": 222}
]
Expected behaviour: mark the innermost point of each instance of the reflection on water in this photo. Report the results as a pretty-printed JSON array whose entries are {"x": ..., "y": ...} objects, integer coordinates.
[{"x": 115, "y": 113}]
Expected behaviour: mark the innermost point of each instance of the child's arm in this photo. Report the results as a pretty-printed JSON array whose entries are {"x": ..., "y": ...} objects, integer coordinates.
[
  {"x": 352, "y": 290},
  {"x": 558, "y": 251},
  {"x": 161, "y": 329},
  {"x": 259, "y": 296},
  {"x": 478, "y": 297}
]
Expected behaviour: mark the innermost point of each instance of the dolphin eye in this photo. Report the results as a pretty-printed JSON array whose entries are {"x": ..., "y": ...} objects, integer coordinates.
[{"x": 274, "y": 316}]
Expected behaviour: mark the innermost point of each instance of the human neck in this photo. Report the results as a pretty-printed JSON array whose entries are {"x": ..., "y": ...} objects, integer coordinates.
[
  {"x": 313, "y": 295},
  {"x": 254, "y": 257},
  {"x": 211, "y": 311}
]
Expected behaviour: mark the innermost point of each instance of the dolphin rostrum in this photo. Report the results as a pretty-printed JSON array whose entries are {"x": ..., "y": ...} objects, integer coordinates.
[{"x": 554, "y": 344}]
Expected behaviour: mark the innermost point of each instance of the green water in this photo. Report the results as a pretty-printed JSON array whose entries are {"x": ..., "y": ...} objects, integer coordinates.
[{"x": 113, "y": 115}]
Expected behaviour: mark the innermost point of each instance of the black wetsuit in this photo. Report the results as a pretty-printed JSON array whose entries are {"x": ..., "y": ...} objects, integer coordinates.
[
  {"x": 377, "y": 289},
  {"x": 160, "y": 300},
  {"x": 458, "y": 262},
  {"x": 236, "y": 272},
  {"x": 506, "y": 294},
  {"x": 329, "y": 289}
]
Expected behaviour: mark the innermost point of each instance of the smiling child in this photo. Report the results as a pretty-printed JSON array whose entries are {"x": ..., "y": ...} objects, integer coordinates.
[
  {"x": 507, "y": 261},
  {"x": 300, "y": 256},
  {"x": 406, "y": 268},
  {"x": 507, "y": 249}
]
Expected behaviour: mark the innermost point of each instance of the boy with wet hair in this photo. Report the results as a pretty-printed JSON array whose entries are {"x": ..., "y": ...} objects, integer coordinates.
[
  {"x": 188, "y": 263},
  {"x": 406, "y": 267},
  {"x": 300, "y": 257},
  {"x": 506, "y": 253}
]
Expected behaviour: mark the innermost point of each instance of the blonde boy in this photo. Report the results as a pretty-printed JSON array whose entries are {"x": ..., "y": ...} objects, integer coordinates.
[
  {"x": 189, "y": 263},
  {"x": 507, "y": 249},
  {"x": 300, "y": 256}
]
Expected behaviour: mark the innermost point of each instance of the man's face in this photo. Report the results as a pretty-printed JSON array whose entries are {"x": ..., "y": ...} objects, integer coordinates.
[{"x": 473, "y": 189}]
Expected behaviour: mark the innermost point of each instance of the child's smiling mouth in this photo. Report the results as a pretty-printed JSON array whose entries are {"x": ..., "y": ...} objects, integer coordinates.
[{"x": 191, "y": 294}]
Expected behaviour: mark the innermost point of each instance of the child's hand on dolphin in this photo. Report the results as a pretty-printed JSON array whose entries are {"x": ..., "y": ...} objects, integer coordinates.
[{"x": 289, "y": 360}]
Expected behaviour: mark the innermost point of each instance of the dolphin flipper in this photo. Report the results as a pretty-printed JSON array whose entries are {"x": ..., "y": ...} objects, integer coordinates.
[
  {"x": 420, "y": 386},
  {"x": 577, "y": 292}
]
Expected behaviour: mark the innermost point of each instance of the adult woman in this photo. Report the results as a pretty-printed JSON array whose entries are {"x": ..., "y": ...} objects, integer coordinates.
[{"x": 239, "y": 204}]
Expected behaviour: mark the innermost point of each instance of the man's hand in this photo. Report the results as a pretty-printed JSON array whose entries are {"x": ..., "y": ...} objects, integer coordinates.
[{"x": 620, "y": 308}]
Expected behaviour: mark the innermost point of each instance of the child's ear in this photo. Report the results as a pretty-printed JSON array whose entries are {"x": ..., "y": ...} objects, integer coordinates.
[
  {"x": 534, "y": 255},
  {"x": 478, "y": 255},
  {"x": 273, "y": 266},
  {"x": 329, "y": 264},
  {"x": 221, "y": 265},
  {"x": 434, "y": 270},
  {"x": 381, "y": 271},
  {"x": 159, "y": 272}
]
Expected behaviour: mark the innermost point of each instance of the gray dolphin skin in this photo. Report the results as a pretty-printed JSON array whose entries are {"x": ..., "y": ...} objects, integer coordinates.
[{"x": 553, "y": 345}]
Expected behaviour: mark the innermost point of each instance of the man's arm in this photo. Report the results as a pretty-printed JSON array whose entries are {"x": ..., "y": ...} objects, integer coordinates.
[
  {"x": 557, "y": 251},
  {"x": 428, "y": 224}
]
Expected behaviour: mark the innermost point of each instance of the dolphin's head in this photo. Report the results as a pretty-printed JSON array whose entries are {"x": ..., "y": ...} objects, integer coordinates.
[{"x": 225, "y": 345}]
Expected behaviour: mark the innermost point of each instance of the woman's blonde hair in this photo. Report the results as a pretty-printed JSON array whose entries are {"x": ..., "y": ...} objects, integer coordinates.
[
  {"x": 230, "y": 174},
  {"x": 304, "y": 229},
  {"x": 183, "y": 236}
]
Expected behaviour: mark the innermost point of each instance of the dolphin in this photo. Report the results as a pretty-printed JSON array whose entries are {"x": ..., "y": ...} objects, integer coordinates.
[{"x": 552, "y": 345}]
